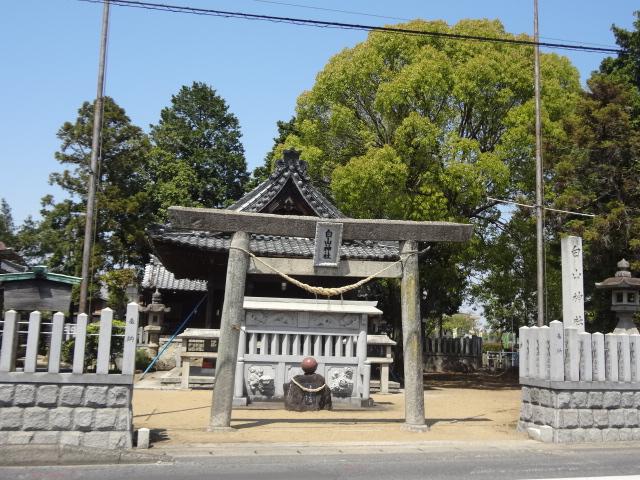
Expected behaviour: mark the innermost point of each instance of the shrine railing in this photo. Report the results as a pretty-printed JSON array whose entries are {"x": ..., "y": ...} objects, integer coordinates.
[
  {"x": 18, "y": 368},
  {"x": 294, "y": 344},
  {"x": 559, "y": 354}
]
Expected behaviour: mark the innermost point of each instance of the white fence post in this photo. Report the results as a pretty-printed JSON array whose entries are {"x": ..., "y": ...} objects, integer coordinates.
[
  {"x": 571, "y": 354},
  {"x": 634, "y": 350},
  {"x": 624, "y": 369},
  {"x": 545, "y": 347},
  {"x": 33, "y": 336},
  {"x": 586, "y": 359},
  {"x": 556, "y": 350},
  {"x": 611, "y": 357},
  {"x": 80, "y": 343},
  {"x": 597, "y": 351},
  {"x": 534, "y": 367},
  {"x": 9, "y": 342},
  {"x": 55, "y": 345},
  {"x": 130, "y": 329},
  {"x": 104, "y": 341},
  {"x": 523, "y": 347}
]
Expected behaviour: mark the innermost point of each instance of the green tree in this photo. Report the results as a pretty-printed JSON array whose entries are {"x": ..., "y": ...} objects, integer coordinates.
[
  {"x": 626, "y": 65},
  {"x": 427, "y": 128},
  {"x": 7, "y": 227},
  {"x": 596, "y": 172},
  {"x": 197, "y": 159},
  {"x": 461, "y": 323},
  {"x": 116, "y": 282},
  {"x": 123, "y": 206}
]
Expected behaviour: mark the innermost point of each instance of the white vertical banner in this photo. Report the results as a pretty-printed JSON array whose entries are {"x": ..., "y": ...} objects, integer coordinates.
[{"x": 572, "y": 283}]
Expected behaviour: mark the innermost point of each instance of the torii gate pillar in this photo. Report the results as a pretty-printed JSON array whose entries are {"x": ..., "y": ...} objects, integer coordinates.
[
  {"x": 243, "y": 223},
  {"x": 232, "y": 313},
  {"x": 412, "y": 340}
]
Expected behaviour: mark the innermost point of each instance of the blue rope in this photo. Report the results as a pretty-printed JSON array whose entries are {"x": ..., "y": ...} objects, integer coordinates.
[{"x": 174, "y": 336}]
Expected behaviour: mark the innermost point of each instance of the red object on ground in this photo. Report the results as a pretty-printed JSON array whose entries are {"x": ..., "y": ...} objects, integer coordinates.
[{"x": 309, "y": 365}]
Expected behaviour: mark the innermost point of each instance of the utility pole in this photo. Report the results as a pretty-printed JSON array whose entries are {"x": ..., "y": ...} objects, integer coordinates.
[
  {"x": 93, "y": 169},
  {"x": 539, "y": 171}
]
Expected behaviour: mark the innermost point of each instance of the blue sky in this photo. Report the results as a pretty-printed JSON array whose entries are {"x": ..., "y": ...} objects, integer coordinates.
[{"x": 49, "y": 63}]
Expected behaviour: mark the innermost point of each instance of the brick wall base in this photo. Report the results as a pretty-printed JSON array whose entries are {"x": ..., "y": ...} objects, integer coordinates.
[
  {"x": 580, "y": 411},
  {"x": 53, "y": 413}
]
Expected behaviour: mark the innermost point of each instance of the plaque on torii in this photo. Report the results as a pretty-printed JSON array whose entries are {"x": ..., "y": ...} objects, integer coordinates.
[{"x": 243, "y": 224}]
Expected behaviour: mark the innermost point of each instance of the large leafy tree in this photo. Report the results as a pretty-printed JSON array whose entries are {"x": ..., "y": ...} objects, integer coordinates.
[
  {"x": 123, "y": 207},
  {"x": 427, "y": 128},
  {"x": 595, "y": 167},
  {"x": 197, "y": 158},
  {"x": 596, "y": 172}
]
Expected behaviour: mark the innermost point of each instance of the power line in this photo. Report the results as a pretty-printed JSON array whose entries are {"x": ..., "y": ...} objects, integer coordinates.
[
  {"x": 362, "y": 14},
  {"x": 349, "y": 26}
]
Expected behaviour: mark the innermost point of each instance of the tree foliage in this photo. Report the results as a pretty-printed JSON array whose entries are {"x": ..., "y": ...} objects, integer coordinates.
[
  {"x": 123, "y": 207},
  {"x": 7, "y": 226},
  {"x": 197, "y": 159},
  {"x": 428, "y": 128},
  {"x": 596, "y": 172},
  {"x": 461, "y": 323}
]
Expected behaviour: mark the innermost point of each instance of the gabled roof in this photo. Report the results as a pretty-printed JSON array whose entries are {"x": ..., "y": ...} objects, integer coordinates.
[{"x": 288, "y": 190}]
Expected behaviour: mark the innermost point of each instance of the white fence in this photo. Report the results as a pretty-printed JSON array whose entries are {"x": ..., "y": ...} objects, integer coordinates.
[
  {"x": 12, "y": 335},
  {"x": 556, "y": 353}
]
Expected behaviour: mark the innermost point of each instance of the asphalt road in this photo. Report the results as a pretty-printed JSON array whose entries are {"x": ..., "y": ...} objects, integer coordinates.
[{"x": 443, "y": 461}]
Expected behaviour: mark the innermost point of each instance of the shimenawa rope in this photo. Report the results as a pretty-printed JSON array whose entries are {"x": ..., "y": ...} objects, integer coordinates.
[
  {"x": 309, "y": 390},
  {"x": 329, "y": 292}
]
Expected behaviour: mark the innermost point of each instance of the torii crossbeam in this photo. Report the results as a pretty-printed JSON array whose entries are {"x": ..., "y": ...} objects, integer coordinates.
[{"x": 243, "y": 224}]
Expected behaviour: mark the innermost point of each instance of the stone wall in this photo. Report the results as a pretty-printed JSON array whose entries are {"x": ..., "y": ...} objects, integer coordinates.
[
  {"x": 446, "y": 354},
  {"x": 575, "y": 412},
  {"x": 51, "y": 413},
  {"x": 55, "y": 403}
]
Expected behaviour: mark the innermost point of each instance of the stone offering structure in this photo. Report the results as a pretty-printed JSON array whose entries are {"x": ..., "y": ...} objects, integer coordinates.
[
  {"x": 277, "y": 335},
  {"x": 47, "y": 405}
]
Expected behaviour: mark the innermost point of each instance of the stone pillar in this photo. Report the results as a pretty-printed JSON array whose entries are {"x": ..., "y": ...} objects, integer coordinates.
[
  {"x": 412, "y": 340},
  {"x": 572, "y": 283},
  {"x": 230, "y": 324}
]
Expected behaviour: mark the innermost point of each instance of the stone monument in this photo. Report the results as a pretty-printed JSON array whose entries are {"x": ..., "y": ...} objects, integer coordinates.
[
  {"x": 572, "y": 283},
  {"x": 308, "y": 392}
]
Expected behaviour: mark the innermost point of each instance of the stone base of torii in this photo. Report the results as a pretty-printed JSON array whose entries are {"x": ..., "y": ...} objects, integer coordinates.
[{"x": 243, "y": 224}]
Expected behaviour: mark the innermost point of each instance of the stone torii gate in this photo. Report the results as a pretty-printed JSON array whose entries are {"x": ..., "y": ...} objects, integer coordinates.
[{"x": 243, "y": 224}]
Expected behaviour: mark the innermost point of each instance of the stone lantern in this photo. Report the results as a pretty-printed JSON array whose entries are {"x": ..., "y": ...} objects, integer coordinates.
[
  {"x": 625, "y": 292},
  {"x": 155, "y": 319}
]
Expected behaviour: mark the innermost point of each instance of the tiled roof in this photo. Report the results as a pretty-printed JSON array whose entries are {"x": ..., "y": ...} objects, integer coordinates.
[
  {"x": 7, "y": 266},
  {"x": 271, "y": 246},
  {"x": 156, "y": 276},
  {"x": 289, "y": 173}
]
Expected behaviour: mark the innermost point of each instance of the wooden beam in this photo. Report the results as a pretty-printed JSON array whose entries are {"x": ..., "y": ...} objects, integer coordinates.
[
  {"x": 304, "y": 266},
  {"x": 214, "y": 220}
]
